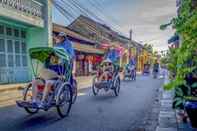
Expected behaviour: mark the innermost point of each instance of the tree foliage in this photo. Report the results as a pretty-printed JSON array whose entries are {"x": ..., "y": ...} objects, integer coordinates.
[{"x": 181, "y": 58}]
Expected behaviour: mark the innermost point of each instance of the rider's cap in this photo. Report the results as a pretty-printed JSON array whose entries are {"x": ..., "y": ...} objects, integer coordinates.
[
  {"x": 62, "y": 34},
  {"x": 107, "y": 61}
]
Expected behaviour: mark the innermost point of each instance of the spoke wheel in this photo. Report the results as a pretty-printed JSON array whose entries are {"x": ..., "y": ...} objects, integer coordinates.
[
  {"x": 74, "y": 92},
  {"x": 117, "y": 86},
  {"x": 94, "y": 89},
  {"x": 64, "y": 100},
  {"x": 27, "y": 96}
]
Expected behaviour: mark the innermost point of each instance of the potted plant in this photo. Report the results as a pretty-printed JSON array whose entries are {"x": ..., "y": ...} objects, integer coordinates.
[
  {"x": 191, "y": 105},
  {"x": 186, "y": 99}
]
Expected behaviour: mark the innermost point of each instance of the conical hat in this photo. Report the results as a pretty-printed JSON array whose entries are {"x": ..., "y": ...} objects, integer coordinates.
[{"x": 107, "y": 61}]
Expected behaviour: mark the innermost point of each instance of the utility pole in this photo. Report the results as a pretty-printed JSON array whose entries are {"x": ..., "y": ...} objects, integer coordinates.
[
  {"x": 129, "y": 46},
  {"x": 136, "y": 54},
  {"x": 131, "y": 34}
]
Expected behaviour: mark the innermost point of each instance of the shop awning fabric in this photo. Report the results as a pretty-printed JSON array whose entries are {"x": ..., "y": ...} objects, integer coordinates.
[
  {"x": 173, "y": 39},
  {"x": 87, "y": 48}
]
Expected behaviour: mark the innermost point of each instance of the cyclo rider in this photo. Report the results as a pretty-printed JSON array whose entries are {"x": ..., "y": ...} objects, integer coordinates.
[
  {"x": 53, "y": 64},
  {"x": 132, "y": 64},
  {"x": 156, "y": 67}
]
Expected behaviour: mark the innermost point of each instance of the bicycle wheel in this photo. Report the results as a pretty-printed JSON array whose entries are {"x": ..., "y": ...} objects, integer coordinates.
[
  {"x": 74, "y": 92},
  {"x": 117, "y": 86},
  {"x": 64, "y": 100},
  {"x": 27, "y": 96},
  {"x": 94, "y": 89}
]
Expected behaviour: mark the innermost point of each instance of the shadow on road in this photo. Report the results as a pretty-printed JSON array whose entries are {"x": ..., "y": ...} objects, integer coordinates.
[{"x": 104, "y": 111}]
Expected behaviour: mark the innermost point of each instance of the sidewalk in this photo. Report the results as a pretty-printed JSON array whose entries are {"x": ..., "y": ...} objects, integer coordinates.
[
  {"x": 167, "y": 116},
  {"x": 9, "y": 93},
  {"x": 82, "y": 81}
]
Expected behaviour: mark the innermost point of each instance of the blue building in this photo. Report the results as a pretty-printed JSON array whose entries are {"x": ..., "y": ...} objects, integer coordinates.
[{"x": 23, "y": 24}]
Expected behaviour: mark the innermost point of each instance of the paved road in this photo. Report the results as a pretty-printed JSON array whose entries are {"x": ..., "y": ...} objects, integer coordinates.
[{"x": 101, "y": 113}]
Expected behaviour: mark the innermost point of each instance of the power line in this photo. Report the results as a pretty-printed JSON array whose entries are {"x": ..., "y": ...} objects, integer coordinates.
[
  {"x": 67, "y": 8},
  {"x": 100, "y": 9},
  {"x": 89, "y": 13}
]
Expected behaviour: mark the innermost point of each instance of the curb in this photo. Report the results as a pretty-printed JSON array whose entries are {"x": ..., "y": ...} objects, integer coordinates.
[{"x": 11, "y": 88}]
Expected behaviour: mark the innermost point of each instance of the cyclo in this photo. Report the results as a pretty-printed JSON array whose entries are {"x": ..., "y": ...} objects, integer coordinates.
[
  {"x": 107, "y": 78},
  {"x": 63, "y": 92},
  {"x": 129, "y": 72}
]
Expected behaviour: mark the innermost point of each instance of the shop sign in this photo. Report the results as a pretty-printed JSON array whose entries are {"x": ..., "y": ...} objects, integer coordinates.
[{"x": 27, "y": 6}]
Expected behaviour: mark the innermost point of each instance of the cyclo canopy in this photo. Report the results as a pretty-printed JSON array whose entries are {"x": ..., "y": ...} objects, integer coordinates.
[{"x": 42, "y": 54}]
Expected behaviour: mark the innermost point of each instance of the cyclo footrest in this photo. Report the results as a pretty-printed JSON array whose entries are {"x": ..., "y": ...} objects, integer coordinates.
[
  {"x": 103, "y": 84},
  {"x": 25, "y": 104}
]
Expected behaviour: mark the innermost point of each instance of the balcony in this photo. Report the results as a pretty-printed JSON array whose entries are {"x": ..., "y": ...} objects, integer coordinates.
[{"x": 27, "y": 10}]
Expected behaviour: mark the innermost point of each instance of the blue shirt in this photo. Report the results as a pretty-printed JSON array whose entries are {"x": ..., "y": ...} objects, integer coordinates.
[
  {"x": 132, "y": 62},
  {"x": 113, "y": 55},
  {"x": 67, "y": 45}
]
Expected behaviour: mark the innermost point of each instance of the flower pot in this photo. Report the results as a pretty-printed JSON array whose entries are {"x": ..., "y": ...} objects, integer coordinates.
[{"x": 191, "y": 109}]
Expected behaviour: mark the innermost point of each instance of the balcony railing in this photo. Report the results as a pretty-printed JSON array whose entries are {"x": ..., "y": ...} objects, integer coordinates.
[{"x": 28, "y": 7}]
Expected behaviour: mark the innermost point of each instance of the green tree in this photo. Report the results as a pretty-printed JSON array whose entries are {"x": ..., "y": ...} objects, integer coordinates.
[
  {"x": 186, "y": 27},
  {"x": 148, "y": 47}
]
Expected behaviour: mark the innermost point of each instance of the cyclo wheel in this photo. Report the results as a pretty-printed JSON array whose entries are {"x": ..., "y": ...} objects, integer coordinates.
[
  {"x": 64, "y": 100},
  {"x": 74, "y": 92},
  {"x": 94, "y": 89},
  {"x": 117, "y": 85},
  {"x": 27, "y": 96}
]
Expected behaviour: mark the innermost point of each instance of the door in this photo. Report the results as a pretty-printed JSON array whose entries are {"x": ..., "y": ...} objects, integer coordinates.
[{"x": 13, "y": 55}]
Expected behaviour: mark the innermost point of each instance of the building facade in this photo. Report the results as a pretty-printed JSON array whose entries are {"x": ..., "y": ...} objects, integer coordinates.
[
  {"x": 23, "y": 24},
  {"x": 103, "y": 35}
]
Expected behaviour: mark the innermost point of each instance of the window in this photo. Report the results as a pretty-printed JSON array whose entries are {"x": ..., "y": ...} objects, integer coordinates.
[
  {"x": 23, "y": 34},
  {"x": 9, "y": 31},
  {"x": 17, "y": 47},
  {"x": 18, "y": 60},
  {"x": 2, "y": 45},
  {"x": 23, "y": 47},
  {"x": 16, "y": 32},
  {"x": 24, "y": 60},
  {"x": 1, "y": 29},
  {"x": 10, "y": 60},
  {"x": 2, "y": 60},
  {"x": 10, "y": 46}
]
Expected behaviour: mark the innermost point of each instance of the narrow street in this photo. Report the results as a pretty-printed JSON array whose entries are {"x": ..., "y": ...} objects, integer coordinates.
[{"x": 94, "y": 113}]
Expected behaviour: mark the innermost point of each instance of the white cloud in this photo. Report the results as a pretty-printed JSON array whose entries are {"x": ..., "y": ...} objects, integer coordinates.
[{"x": 143, "y": 16}]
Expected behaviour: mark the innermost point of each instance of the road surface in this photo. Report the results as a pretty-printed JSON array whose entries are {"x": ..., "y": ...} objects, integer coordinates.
[{"x": 105, "y": 112}]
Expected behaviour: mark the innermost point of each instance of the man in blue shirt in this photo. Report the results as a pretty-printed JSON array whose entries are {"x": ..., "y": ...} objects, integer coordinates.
[
  {"x": 112, "y": 54},
  {"x": 132, "y": 62},
  {"x": 63, "y": 42}
]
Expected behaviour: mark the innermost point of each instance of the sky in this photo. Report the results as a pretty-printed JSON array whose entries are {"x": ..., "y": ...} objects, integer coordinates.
[{"x": 142, "y": 16}]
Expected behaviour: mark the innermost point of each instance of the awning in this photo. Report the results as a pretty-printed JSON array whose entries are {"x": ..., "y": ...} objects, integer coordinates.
[
  {"x": 86, "y": 48},
  {"x": 173, "y": 39}
]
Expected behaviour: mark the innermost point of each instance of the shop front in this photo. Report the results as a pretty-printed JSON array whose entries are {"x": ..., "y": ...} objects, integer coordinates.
[
  {"x": 87, "y": 63},
  {"x": 87, "y": 59}
]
